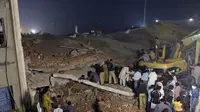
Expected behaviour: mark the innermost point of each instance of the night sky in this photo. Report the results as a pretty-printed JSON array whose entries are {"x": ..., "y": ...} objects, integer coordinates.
[{"x": 60, "y": 16}]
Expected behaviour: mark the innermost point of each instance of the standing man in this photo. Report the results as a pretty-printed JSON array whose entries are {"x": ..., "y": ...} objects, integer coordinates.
[
  {"x": 157, "y": 47},
  {"x": 189, "y": 59},
  {"x": 162, "y": 106},
  {"x": 46, "y": 101},
  {"x": 58, "y": 108},
  {"x": 136, "y": 78},
  {"x": 124, "y": 75},
  {"x": 155, "y": 97},
  {"x": 105, "y": 69},
  {"x": 150, "y": 89},
  {"x": 145, "y": 76},
  {"x": 177, "y": 91},
  {"x": 102, "y": 74},
  {"x": 198, "y": 106},
  {"x": 152, "y": 54},
  {"x": 142, "y": 95},
  {"x": 196, "y": 72},
  {"x": 69, "y": 107},
  {"x": 111, "y": 70},
  {"x": 194, "y": 94},
  {"x": 152, "y": 78},
  {"x": 37, "y": 100},
  {"x": 161, "y": 89}
]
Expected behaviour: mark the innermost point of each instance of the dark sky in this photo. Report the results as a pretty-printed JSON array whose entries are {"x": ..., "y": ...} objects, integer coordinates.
[{"x": 60, "y": 16}]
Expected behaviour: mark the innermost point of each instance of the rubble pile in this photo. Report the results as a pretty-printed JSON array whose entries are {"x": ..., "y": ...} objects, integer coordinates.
[
  {"x": 60, "y": 61},
  {"x": 83, "y": 98}
]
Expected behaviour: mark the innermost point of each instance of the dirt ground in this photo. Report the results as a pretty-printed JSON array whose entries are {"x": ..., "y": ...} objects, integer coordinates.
[{"x": 83, "y": 98}]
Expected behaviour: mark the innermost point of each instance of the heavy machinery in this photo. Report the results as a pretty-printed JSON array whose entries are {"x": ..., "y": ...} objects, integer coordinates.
[{"x": 176, "y": 61}]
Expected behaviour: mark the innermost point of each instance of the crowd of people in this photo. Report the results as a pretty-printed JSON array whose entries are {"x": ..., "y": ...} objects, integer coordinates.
[
  {"x": 47, "y": 101},
  {"x": 154, "y": 94},
  {"x": 161, "y": 94}
]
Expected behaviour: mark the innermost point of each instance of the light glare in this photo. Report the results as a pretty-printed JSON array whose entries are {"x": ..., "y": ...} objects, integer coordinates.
[{"x": 33, "y": 31}]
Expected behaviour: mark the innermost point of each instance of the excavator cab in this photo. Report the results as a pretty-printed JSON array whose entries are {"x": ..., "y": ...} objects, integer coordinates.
[{"x": 164, "y": 52}]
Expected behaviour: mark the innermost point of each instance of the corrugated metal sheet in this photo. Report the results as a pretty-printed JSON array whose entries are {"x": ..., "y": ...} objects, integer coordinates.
[{"x": 5, "y": 100}]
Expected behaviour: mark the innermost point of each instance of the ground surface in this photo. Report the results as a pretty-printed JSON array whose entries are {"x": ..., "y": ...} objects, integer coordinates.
[{"x": 83, "y": 98}]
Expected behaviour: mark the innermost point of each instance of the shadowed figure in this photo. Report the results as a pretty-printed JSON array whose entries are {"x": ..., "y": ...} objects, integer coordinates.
[{"x": 96, "y": 106}]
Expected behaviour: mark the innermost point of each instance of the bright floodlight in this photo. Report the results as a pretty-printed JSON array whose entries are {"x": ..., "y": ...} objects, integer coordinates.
[
  {"x": 156, "y": 20},
  {"x": 33, "y": 31},
  {"x": 191, "y": 20}
]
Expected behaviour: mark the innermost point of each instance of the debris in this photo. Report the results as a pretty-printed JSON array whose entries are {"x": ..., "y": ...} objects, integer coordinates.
[
  {"x": 74, "y": 53},
  {"x": 74, "y": 78}
]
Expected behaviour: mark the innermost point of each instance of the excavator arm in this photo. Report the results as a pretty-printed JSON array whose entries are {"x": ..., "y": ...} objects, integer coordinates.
[
  {"x": 197, "y": 51},
  {"x": 188, "y": 40}
]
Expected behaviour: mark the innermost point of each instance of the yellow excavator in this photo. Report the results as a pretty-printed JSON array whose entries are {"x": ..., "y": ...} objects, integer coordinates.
[{"x": 176, "y": 62}]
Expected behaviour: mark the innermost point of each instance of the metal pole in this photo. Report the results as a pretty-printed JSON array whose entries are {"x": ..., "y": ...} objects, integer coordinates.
[{"x": 144, "y": 19}]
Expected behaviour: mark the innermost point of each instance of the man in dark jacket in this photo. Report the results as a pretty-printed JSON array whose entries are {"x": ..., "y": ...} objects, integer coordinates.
[
  {"x": 93, "y": 76},
  {"x": 69, "y": 107},
  {"x": 162, "y": 106},
  {"x": 37, "y": 100},
  {"x": 111, "y": 70},
  {"x": 142, "y": 91},
  {"x": 155, "y": 97}
]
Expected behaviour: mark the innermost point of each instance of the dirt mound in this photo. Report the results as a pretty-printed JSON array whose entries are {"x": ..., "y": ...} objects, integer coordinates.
[
  {"x": 165, "y": 32},
  {"x": 66, "y": 53}
]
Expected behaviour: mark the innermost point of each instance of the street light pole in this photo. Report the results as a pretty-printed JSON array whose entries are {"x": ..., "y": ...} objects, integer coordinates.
[{"x": 144, "y": 19}]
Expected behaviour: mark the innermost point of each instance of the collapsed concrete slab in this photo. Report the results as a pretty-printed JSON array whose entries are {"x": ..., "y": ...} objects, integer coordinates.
[{"x": 74, "y": 78}]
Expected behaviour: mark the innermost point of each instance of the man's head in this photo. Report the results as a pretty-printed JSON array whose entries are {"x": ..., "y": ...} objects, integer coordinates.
[
  {"x": 152, "y": 70},
  {"x": 69, "y": 103},
  {"x": 111, "y": 60},
  {"x": 38, "y": 89},
  {"x": 93, "y": 69},
  {"x": 194, "y": 86},
  {"x": 178, "y": 99},
  {"x": 171, "y": 87},
  {"x": 57, "y": 106},
  {"x": 177, "y": 84},
  {"x": 166, "y": 110},
  {"x": 59, "y": 97},
  {"x": 163, "y": 100},
  {"x": 152, "y": 87},
  {"x": 157, "y": 87},
  {"x": 102, "y": 63},
  {"x": 170, "y": 78}
]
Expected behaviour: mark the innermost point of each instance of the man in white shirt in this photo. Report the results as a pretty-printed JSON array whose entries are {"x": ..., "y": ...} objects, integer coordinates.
[
  {"x": 172, "y": 78},
  {"x": 152, "y": 78},
  {"x": 145, "y": 76},
  {"x": 136, "y": 78},
  {"x": 58, "y": 109},
  {"x": 161, "y": 90},
  {"x": 124, "y": 76}
]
